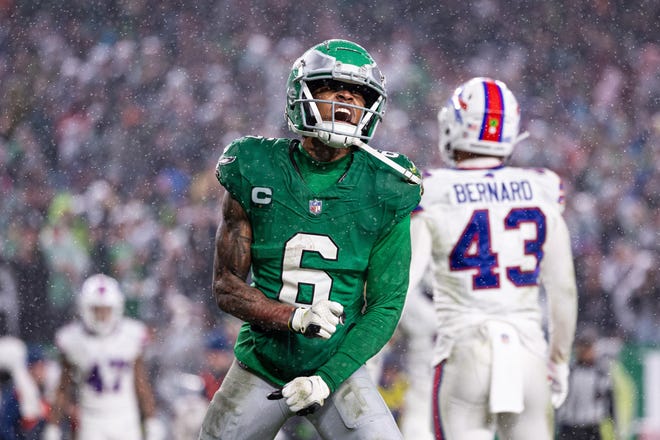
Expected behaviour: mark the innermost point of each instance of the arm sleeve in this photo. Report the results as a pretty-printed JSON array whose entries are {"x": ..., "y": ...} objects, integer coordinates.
[
  {"x": 418, "y": 318},
  {"x": 387, "y": 283},
  {"x": 421, "y": 250},
  {"x": 558, "y": 278}
]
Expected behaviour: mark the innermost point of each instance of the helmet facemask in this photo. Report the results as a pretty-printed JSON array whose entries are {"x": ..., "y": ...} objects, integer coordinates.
[{"x": 343, "y": 64}]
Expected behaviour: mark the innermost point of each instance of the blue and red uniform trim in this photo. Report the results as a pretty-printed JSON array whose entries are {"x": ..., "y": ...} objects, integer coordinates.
[{"x": 491, "y": 126}]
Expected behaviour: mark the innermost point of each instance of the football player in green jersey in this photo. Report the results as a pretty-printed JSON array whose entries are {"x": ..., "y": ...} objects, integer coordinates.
[{"x": 321, "y": 226}]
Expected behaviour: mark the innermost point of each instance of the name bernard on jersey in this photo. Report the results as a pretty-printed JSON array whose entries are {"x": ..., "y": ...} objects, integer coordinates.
[{"x": 488, "y": 192}]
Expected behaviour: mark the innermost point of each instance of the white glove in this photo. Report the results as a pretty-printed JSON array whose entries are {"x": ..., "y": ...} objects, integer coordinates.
[
  {"x": 154, "y": 429},
  {"x": 13, "y": 354},
  {"x": 51, "y": 432},
  {"x": 303, "y": 395},
  {"x": 319, "y": 320},
  {"x": 558, "y": 377}
]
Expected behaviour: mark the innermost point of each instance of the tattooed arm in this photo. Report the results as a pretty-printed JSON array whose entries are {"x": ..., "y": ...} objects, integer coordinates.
[{"x": 231, "y": 267}]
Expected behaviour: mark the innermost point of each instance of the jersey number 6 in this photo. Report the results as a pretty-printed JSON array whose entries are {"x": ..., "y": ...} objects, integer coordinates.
[{"x": 293, "y": 274}]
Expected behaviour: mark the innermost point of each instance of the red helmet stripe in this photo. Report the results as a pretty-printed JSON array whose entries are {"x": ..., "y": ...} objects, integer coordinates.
[{"x": 491, "y": 126}]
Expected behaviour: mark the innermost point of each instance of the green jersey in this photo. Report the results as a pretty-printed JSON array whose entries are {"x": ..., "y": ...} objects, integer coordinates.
[{"x": 347, "y": 242}]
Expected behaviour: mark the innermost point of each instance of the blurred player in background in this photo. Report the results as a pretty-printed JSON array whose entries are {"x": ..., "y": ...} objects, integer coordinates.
[
  {"x": 418, "y": 326},
  {"x": 590, "y": 400},
  {"x": 493, "y": 235},
  {"x": 323, "y": 227},
  {"x": 218, "y": 356},
  {"x": 20, "y": 403},
  {"x": 413, "y": 347},
  {"x": 102, "y": 363}
]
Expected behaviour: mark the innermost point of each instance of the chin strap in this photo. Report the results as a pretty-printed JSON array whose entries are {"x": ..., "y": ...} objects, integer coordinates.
[
  {"x": 521, "y": 137},
  {"x": 409, "y": 175}
]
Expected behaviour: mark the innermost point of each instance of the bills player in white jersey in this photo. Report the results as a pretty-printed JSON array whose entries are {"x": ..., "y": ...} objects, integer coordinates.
[
  {"x": 492, "y": 235},
  {"x": 101, "y": 360}
]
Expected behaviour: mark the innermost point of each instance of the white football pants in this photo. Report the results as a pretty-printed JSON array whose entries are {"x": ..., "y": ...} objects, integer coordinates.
[{"x": 461, "y": 388}]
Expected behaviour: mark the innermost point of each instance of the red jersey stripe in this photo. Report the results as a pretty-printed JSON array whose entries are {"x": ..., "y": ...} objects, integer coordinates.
[{"x": 437, "y": 420}]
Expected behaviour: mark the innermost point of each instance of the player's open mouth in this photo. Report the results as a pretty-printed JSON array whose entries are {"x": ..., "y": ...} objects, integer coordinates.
[{"x": 343, "y": 114}]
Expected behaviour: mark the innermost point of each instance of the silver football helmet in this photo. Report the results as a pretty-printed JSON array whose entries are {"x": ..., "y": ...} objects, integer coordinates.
[{"x": 339, "y": 61}]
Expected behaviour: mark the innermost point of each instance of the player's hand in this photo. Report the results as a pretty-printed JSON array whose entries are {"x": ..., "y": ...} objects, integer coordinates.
[
  {"x": 320, "y": 320},
  {"x": 51, "y": 432},
  {"x": 303, "y": 395},
  {"x": 558, "y": 377},
  {"x": 13, "y": 354},
  {"x": 154, "y": 429}
]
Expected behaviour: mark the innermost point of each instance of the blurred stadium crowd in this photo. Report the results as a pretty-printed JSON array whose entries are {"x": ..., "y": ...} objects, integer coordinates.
[{"x": 113, "y": 114}]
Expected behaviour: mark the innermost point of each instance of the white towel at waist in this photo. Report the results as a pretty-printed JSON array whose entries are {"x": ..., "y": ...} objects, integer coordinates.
[{"x": 506, "y": 381}]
